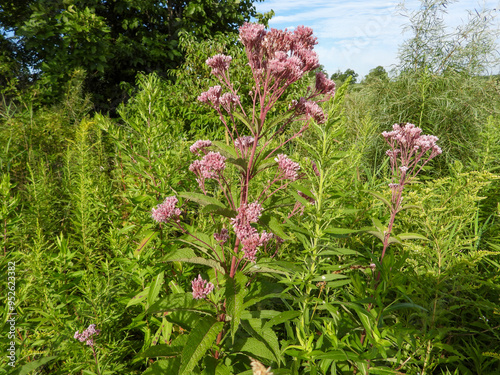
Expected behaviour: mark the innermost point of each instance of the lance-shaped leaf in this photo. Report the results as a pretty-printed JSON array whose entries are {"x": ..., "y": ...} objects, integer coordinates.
[
  {"x": 202, "y": 199},
  {"x": 164, "y": 366},
  {"x": 235, "y": 292},
  {"x": 244, "y": 120},
  {"x": 154, "y": 288},
  {"x": 181, "y": 302},
  {"x": 225, "y": 150},
  {"x": 380, "y": 198},
  {"x": 185, "y": 255},
  {"x": 148, "y": 237},
  {"x": 200, "y": 339}
]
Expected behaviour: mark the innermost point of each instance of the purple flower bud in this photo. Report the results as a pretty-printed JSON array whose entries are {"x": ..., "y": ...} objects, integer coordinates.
[
  {"x": 166, "y": 210},
  {"x": 201, "y": 288}
]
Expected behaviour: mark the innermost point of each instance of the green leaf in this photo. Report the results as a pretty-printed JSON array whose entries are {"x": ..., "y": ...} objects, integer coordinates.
[
  {"x": 411, "y": 236},
  {"x": 235, "y": 292},
  {"x": 181, "y": 302},
  {"x": 30, "y": 366},
  {"x": 225, "y": 150},
  {"x": 196, "y": 260},
  {"x": 164, "y": 366},
  {"x": 244, "y": 120},
  {"x": 223, "y": 211},
  {"x": 379, "y": 197},
  {"x": 200, "y": 339},
  {"x": 138, "y": 298},
  {"x": 261, "y": 290},
  {"x": 150, "y": 235},
  {"x": 202, "y": 199},
  {"x": 253, "y": 348},
  {"x": 285, "y": 316},
  {"x": 185, "y": 319},
  {"x": 162, "y": 351},
  {"x": 277, "y": 228},
  {"x": 266, "y": 336},
  {"x": 239, "y": 162},
  {"x": 154, "y": 288}
]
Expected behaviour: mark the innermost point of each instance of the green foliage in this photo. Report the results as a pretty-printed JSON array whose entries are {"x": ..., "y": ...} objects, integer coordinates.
[
  {"x": 110, "y": 40},
  {"x": 340, "y": 77}
]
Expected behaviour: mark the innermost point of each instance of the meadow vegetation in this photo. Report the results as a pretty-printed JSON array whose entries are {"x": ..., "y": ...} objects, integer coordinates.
[{"x": 290, "y": 243}]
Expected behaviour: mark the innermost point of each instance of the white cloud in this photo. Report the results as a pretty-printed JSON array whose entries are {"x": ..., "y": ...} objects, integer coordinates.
[{"x": 358, "y": 34}]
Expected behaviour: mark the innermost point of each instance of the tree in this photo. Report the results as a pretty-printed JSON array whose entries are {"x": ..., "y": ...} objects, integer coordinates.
[
  {"x": 111, "y": 40},
  {"x": 470, "y": 47},
  {"x": 378, "y": 73},
  {"x": 340, "y": 77}
]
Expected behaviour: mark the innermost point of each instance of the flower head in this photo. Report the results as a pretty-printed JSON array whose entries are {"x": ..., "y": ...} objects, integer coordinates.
[
  {"x": 211, "y": 96},
  {"x": 247, "y": 213},
  {"x": 200, "y": 145},
  {"x": 287, "y": 167},
  {"x": 212, "y": 165},
  {"x": 86, "y": 335},
  {"x": 324, "y": 85},
  {"x": 201, "y": 288},
  {"x": 219, "y": 63},
  {"x": 259, "y": 369},
  {"x": 252, "y": 243},
  {"x": 223, "y": 236},
  {"x": 166, "y": 210}
]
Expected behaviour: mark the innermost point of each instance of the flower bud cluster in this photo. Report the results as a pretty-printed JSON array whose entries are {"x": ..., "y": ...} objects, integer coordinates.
[
  {"x": 288, "y": 168},
  {"x": 166, "y": 210},
  {"x": 201, "y": 288},
  {"x": 219, "y": 63},
  {"x": 210, "y": 166},
  {"x": 250, "y": 239},
  {"x": 86, "y": 335}
]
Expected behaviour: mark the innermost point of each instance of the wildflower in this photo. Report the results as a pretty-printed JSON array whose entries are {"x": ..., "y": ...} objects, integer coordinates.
[
  {"x": 244, "y": 143},
  {"x": 219, "y": 63},
  {"x": 201, "y": 288},
  {"x": 229, "y": 101},
  {"x": 252, "y": 243},
  {"x": 166, "y": 210},
  {"x": 212, "y": 164},
  {"x": 251, "y": 34},
  {"x": 200, "y": 145},
  {"x": 259, "y": 369},
  {"x": 211, "y": 96},
  {"x": 287, "y": 167},
  {"x": 313, "y": 110},
  {"x": 86, "y": 335},
  {"x": 247, "y": 213},
  {"x": 223, "y": 236},
  {"x": 324, "y": 85}
]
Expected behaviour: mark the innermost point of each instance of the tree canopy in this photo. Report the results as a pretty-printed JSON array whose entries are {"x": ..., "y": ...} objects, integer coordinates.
[{"x": 111, "y": 39}]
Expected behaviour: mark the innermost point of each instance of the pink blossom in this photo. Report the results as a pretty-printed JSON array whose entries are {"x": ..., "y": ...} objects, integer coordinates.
[
  {"x": 229, "y": 101},
  {"x": 212, "y": 165},
  {"x": 244, "y": 144},
  {"x": 251, "y": 34},
  {"x": 223, "y": 236},
  {"x": 219, "y": 63},
  {"x": 252, "y": 243},
  {"x": 313, "y": 110},
  {"x": 287, "y": 167},
  {"x": 247, "y": 213},
  {"x": 324, "y": 85},
  {"x": 200, "y": 145},
  {"x": 304, "y": 37},
  {"x": 166, "y": 210},
  {"x": 86, "y": 335},
  {"x": 201, "y": 288},
  {"x": 211, "y": 96}
]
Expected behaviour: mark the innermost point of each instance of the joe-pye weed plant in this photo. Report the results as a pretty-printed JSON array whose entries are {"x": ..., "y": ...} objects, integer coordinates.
[{"x": 246, "y": 232}]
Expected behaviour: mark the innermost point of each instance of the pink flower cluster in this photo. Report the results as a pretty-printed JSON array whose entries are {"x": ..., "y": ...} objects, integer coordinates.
[
  {"x": 87, "y": 334},
  {"x": 310, "y": 109},
  {"x": 200, "y": 145},
  {"x": 248, "y": 235},
  {"x": 408, "y": 147},
  {"x": 286, "y": 55},
  {"x": 212, "y": 96},
  {"x": 288, "y": 168},
  {"x": 407, "y": 138},
  {"x": 166, "y": 210},
  {"x": 228, "y": 101},
  {"x": 219, "y": 63},
  {"x": 210, "y": 166},
  {"x": 223, "y": 236},
  {"x": 244, "y": 144},
  {"x": 252, "y": 243},
  {"x": 201, "y": 288},
  {"x": 324, "y": 85}
]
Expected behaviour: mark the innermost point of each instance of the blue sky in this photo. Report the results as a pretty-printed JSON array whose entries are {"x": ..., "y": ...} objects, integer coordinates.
[{"x": 358, "y": 34}]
